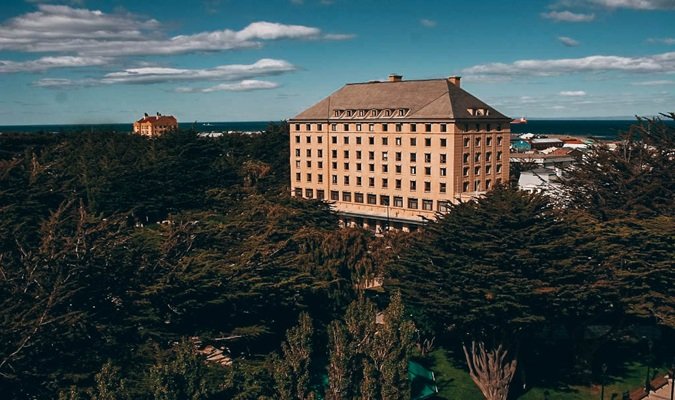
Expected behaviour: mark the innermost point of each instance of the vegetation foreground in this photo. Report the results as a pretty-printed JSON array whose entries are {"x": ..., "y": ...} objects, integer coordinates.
[{"x": 122, "y": 259}]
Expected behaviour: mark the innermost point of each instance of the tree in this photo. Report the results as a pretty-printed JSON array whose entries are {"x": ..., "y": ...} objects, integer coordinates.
[
  {"x": 182, "y": 376},
  {"x": 292, "y": 369},
  {"x": 490, "y": 272}
]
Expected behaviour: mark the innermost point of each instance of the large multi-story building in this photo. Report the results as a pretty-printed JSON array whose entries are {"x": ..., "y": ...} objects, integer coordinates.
[
  {"x": 154, "y": 125},
  {"x": 390, "y": 154}
]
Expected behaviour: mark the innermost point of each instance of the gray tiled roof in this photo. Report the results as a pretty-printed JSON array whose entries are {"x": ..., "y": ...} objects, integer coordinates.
[{"x": 422, "y": 99}]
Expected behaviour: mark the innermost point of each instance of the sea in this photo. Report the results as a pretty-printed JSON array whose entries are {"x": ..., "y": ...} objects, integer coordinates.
[{"x": 595, "y": 128}]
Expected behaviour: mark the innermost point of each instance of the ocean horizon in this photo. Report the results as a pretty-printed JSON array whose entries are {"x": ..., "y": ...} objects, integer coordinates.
[{"x": 600, "y": 128}]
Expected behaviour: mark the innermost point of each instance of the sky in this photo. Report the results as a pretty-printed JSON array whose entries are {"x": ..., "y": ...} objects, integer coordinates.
[{"x": 95, "y": 61}]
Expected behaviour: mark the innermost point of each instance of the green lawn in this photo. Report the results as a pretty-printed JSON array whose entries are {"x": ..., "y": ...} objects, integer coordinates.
[{"x": 454, "y": 383}]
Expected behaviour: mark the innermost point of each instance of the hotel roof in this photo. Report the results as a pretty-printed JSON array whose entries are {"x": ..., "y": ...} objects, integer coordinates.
[{"x": 419, "y": 99}]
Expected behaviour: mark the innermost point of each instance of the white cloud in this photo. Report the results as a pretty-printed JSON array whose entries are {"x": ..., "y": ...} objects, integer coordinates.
[
  {"x": 637, "y": 4},
  {"x": 659, "y": 63},
  {"x": 653, "y": 83},
  {"x": 339, "y": 36},
  {"x": 568, "y": 16},
  {"x": 63, "y": 29},
  {"x": 45, "y": 63},
  {"x": 568, "y": 41},
  {"x": 572, "y": 93},
  {"x": 428, "y": 23},
  {"x": 668, "y": 41},
  {"x": 243, "y": 86},
  {"x": 150, "y": 75}
]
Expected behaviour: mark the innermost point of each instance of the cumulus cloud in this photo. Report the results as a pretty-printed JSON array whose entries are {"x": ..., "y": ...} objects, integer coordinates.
[
  {"x": 45, "y": 63},
  {"x": 339, "y": 36},
  {"x": 568, "y": 41},
  {"x": 654, "y": 83},
  {"x": 243, "y": 86},
  {"x": 568, "y": 16},
  {"x": 152, "y": 75},
  {"x": 63, "y": 29},
  {"x": 428, "y": 23},
  {"x": 637, "y": 4},
  {"x": 572, "y": 93},
  {"x": 659, "y": 63}
]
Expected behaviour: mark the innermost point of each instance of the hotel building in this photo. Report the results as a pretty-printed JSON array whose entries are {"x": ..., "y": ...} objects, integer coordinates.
[
  {"x": 155, "y": 125},
  {"x": 390, "y": 154}
]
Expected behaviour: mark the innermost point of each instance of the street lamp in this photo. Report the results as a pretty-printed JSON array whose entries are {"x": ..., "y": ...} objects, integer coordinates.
[{"x": 602, "y": 381}]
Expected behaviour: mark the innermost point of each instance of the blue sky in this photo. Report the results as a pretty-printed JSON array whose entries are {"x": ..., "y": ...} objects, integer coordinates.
[{"x": 90, "y": 61}]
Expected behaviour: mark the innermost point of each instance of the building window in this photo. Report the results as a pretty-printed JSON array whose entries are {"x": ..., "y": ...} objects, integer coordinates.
[
  {"x": 476, "y": 186},
  {"x": 413, "y": 157},
  {"x": 346, "y": 179},
  {"x": 413, "y": 185},
  {"x": 297, "y": 139},
  {"x": 398, "y": 184},
  {"x": 346, "y": 166},
  {"x": 442, "y": 187},
  {"x": 297, "y": 127},
  {"x": 444, "y": 158},
  {"x": 385, "y": 168},
  {"x": 345, "y": 139},
  {"x": 413, "y": 127},
  {"x": 309, "y": 152},
  {"x": 444, "y": 172},
  {"x": 476, "y": 157},
  {"x": 398, "y": 169},
  {"x": 476, "y": 171},
  {"x": 334, "y": 179},
  {"x": 371, "y": 140},
  {"x": 309, "y": 177},
  {"x": 427, "y": 127},
  {"x": 384, "y": 200},
  {"x": 309, "y": 193},
  {"x": 399, "y": 127},
  {"x": 298, "y": 177},
  {"x": 358, "y": 127},
  {"x": 371, "y": 167},
  {"x": 371, "y": 155},
  {"x": 371, "y": 127},
  {"x": 413, "y": 141},
  {"x": 358, "y": 166},
  {"x": 371, "y": 182},
  {"x": 488, "y": 141},
  {"x": 427, "y": 171},
  {"x": 320, "y": 194},
  {"x": 465, "y": 171},
  {"x": 372, "y": 199},
  {"x": 488, "y": 156},
  {"x": 398, "y": 156},
  {"x": 358, "y": 197},
  {"x": 308, "y": 127},
  {"x": 499, "y": 156},
  {"x": 499, "y": 168},
  {"x": 358, "y": 154},
  {"x": 427, "y": 187},
  {"x": 444, "y": 142},
  {"x": 320, "y": 178},
  {"x": 334, "y": 195},
  {"x": 465, "y": 187},
  {"x": 358, "y": 181},
  {"x": 346, "y": 153},
  {"x": 427, "y": 142},
  {"x": 297, "y": 163},
  {"x": 413, "y": 170},
  {"x": 319, "y": 139},
  {"x": 319, "y": 153},
  {"x": 427, "y": 157},
  {"x": 358, "y": 140},
  {"x": 428, "y": 205},
  {"x": 466, "y": 142},
  {"x": 347, "y": 196},
  {"x": 333, "y": 153},
  {"x": 297, "y": 152},
  {"x": 333, "y": 127},
  {"x": 398, "y": 201},
  {"x": 412, "y": 203},
  {"x": 385, "y": 141},
  {"x": 333, "y": 139},
  {"x": 499, "y": 140},
  {"x": 345, "y": 127},
  {"x": 298, "y": 192},
  {"x": 385, "y": 127},
  {"x": 385, "y": 183},
  {"x": 488, "y": 169},
  {"x": 398, "y": 141},
  {"x": 477, "y": 142},
  {"x": 488, "y": 184},
  {"x": 444, "y": 128},
  {"x": 385, "y": 156},
  {"x": 319, "y": 127}
]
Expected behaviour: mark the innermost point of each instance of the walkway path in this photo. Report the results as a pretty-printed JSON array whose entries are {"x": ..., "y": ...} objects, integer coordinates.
[{"x": 662, "y": 393}]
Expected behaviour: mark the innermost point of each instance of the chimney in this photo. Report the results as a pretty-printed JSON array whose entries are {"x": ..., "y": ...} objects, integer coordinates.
[
  {"x": 454, "y": 80},
  {"x": 146, "y": 114},
  {"x": 395, "y": 78},
  {"x": 159, "y": 115}
]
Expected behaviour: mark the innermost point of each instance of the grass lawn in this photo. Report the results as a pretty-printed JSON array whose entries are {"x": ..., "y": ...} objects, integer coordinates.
[{"x": 454, "y": 383}]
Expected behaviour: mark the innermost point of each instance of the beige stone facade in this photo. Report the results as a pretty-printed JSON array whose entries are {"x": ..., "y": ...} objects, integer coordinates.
[
  {"x": 390, "y": 154},
  {"x": 155, "y": 125}
]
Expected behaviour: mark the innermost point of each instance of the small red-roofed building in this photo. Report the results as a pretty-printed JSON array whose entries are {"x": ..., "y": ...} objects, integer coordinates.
[{"x": 155, "y": 125}]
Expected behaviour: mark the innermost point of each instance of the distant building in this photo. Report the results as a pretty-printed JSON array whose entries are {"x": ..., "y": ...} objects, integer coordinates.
[
  {"x": 558, "y": 158},
  {"x": 540, "y": 180},
  {"x": 155, "y": 125},
  {"x": 390, "y": 154}
]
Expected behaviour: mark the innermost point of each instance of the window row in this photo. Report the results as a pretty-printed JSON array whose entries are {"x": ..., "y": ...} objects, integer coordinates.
[
  {"x": 398, "y": 127},
  {"x": 479, "y": 186},
  {"x": 478, "y": 141},
  {"x": 477, "y": 157},
  {"x": 384, "y": 155}
]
